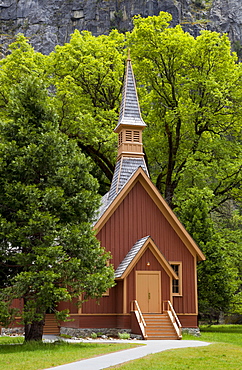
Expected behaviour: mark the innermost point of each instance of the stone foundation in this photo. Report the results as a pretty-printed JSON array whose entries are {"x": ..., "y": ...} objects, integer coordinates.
[
  {"x": 191, "y": 331},
  {"x": 102, "y": 332},
  {"x": 12, "y": 331}
]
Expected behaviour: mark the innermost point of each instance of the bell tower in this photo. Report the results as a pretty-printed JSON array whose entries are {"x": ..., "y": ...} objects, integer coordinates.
[{"x": 130, "y": 124}]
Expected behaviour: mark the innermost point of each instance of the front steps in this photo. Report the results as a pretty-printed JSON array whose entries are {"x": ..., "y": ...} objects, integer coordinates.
[
  {"x": 51, "y": 327},
  {"x": 159, "y": 326}
]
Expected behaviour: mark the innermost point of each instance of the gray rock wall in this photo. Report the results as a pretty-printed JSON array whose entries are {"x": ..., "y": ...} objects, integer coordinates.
[{"x": 50, "y": 22}]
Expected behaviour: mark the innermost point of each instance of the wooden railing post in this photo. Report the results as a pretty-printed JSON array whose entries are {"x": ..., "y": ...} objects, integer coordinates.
[
  {"x": 173, "y": 317},
  {"x": 138, "y": 314}
]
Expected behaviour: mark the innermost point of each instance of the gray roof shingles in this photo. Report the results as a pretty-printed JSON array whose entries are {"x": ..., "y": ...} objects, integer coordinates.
[
  {"x": 124, "y": 170},
  {"x": 130, "y": 256},
  {"x": 130, "y": 110}
]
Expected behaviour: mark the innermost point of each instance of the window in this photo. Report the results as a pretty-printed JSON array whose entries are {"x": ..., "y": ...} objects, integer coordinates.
[
  {"x": 128, "y": 135},
  {"x": 177, "y": 283},
  {"x": 120, "y": 138},
  {"x": 136, "y": 136},
  {"x": 132, "y": 136}
]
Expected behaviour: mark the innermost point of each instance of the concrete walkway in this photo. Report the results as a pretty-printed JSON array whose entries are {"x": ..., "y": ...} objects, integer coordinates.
[{"x": 148, "y": 347}]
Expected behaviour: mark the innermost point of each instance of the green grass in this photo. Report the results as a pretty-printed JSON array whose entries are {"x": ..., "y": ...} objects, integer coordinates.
[
  {"x": 213, "y": 357},
  {"x": 225, "y": 353},
  {"x": 35, "y": 356},
  {"x": 220, "y": 333},
  {"x": 11, "y": 340}
]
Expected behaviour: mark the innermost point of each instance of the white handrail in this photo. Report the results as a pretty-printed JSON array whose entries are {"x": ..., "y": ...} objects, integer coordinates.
[
  {"x": 141, "y": 321},
  {"x": 174, "y": 319}
]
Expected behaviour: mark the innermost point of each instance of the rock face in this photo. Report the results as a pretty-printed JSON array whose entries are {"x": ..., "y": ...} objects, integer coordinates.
[{"x": 50, "y": 22}]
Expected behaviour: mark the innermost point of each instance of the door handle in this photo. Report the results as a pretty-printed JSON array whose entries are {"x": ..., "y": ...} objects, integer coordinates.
[{"x": 149, "y": 295}]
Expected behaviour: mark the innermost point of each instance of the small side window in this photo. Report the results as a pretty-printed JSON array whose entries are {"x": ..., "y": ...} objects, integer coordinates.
[
  {"x": 120, "y": 138},
  {"x": 177, "y": 283}
]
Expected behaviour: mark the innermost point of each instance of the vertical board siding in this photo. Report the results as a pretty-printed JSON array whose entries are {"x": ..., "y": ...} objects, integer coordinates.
[
  {"x": 188, "y": 321},
  {"x": 105, "y": 304},
  {"x": 136, "y": 217},
  {"x": 71, "y": 306}
]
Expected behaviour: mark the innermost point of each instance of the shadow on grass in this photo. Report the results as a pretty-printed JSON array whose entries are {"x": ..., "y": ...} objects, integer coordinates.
[
  {"x": 229, "y": 329},
  {"x": 40, "y": 346}
]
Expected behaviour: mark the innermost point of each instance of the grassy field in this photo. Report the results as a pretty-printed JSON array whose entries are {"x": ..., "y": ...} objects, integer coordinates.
[
  {"x": 35, "y": 356},
  {"x": 225, "y": 353}
]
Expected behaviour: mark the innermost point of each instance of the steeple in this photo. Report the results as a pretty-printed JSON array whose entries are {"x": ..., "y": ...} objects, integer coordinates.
[
  {"x": 130, "y": 149},
  {"x": 130, "y": 124}
]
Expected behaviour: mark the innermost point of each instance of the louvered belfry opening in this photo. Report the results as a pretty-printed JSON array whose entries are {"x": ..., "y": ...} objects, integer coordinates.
[{"x": 130, "y": 124}]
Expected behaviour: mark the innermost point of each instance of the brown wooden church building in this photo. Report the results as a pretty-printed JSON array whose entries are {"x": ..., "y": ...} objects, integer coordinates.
[{"x": 154, "y": 257}]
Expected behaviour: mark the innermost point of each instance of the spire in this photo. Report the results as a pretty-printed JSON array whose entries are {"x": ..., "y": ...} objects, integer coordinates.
[
  {"x": 130, "y": 147},
  {"x": 130, "y": 111},
  {"x": 130, "y": 124}
]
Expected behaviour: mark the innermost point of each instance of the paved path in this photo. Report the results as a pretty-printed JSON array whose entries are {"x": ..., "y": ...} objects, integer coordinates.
[{"x": 112, "y": 359}]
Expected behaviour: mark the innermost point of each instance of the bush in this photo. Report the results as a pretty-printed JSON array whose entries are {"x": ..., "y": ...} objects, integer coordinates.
[{"x": 124, "y": 335}]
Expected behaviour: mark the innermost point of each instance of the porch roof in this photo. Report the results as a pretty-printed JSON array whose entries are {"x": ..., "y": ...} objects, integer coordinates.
[{"x": 136, "y": 252}]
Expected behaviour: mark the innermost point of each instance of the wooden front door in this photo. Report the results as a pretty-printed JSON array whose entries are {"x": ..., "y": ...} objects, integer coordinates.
[{"x": 148, "y": 291}]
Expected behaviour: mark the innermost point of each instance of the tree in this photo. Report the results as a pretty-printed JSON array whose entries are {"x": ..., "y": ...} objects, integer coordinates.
[
  {"x": 191, "y": 100},
  {"x": 22, "y": 62},
  {"x": 190, "y": 94},
  {"x": 219, "y": 276},
  {"x": 47, "y": 203},
  {"x": 87, "y": 74}
]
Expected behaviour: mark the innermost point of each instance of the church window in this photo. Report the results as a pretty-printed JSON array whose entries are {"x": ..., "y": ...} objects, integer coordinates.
[{"x": 177, "y": 283}]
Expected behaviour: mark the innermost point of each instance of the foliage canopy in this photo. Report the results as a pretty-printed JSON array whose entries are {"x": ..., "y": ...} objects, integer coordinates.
[{"x": 190, "y": 96}]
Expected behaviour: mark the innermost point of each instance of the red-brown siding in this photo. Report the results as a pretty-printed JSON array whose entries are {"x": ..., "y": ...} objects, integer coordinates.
[
  {"x": 138, "y": 216},
  {"x": 98, "y": 321},
  {"x": 188, "y": 321}
]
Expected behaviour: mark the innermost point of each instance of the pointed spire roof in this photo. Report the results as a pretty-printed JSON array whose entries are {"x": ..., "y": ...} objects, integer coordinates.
[
  {"x": 130, "y": 109},
  {"x": 129, "y": 161}
]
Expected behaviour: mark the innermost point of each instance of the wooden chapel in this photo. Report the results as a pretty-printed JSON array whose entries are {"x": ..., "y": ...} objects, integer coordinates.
[{"x": 154, "y": 257}]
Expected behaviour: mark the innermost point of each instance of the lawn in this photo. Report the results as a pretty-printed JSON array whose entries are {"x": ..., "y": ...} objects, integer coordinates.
[
  {"x": 225, "y": 353},
  {"x": 33, "y": 356}
]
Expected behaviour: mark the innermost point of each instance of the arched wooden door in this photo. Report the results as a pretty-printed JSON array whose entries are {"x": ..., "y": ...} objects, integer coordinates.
[{"x": 148, "y": 291}]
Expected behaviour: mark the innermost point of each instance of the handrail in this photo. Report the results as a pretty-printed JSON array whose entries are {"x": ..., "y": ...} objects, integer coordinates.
[
  {"x": 173, "y": 317},
  {"x": 141, "y": 321}
]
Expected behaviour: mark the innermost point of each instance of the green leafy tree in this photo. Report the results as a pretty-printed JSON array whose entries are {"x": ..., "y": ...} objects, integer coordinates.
[
  {"x": 22, "y": 62},
  {"x": 87, "y": 74},
  {"x": 219, "y": 276},
  {"x": 48, "y": 200},
  {"x": 190, "y": 94},
  {"x": 191, "y": 101}
]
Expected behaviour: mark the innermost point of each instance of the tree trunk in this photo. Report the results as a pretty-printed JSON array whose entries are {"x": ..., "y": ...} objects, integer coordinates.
[{"x": 34, "y": 331}]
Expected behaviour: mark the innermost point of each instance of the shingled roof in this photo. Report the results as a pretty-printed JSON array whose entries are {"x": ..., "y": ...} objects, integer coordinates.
[
  {"x": 135, "y": 254},
  {"x": 130, "y": 256}
]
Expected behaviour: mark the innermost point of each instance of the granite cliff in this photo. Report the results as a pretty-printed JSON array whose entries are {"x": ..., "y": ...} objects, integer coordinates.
[{"x": 50, "y": 22}]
